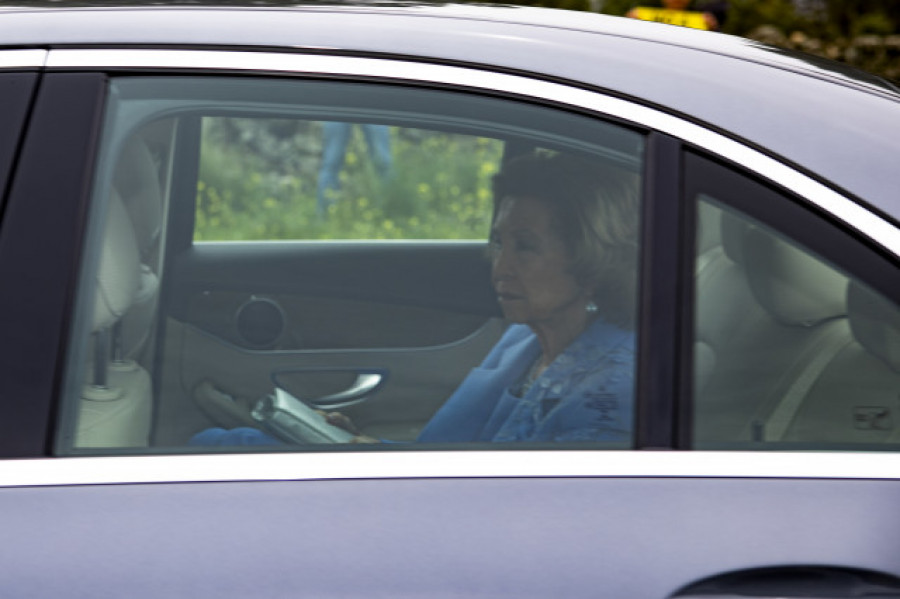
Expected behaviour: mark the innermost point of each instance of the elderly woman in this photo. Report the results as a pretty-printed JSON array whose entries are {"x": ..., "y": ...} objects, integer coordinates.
[{"x": 564, "y": 261}]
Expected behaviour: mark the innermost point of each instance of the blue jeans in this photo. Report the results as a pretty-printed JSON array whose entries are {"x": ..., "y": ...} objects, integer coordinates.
[{"x": 336, "y": 137}]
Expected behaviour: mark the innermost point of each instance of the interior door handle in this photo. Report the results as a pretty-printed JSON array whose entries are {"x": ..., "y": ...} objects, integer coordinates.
[{"x": 364, "y": 386}]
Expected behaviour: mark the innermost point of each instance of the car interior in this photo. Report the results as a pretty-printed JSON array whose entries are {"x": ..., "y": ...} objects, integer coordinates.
[
  {"x": 185, "y": 333},
  {"x": 787, "y": 349}
]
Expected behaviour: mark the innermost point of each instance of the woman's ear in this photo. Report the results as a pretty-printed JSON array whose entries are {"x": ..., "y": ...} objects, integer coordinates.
[{"x": 589, "y": 283}]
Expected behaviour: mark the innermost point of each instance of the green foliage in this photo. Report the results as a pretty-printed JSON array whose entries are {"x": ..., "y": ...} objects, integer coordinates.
[
  {"x": 618, "y": 7},
  {"x": 746, "y": 15},
  {"x": 873, "y": 23},
  {"x": 439, "y": 188},
  {"x": 858, "y": 17},
  {"x": 824, "y": 18},
  {"x": 828, "y": 19}
]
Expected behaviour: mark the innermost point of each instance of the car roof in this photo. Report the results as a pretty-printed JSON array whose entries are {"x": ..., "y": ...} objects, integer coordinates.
[{"x": 831, "y": 120}]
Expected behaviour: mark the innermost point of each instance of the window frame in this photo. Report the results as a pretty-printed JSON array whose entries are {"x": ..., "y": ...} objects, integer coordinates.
[
  {"x": 786, "y": 213},
  {"x": 663, "y": 305},
  {"x": 53, "y": 174},
  {"x": 182, "y": 249},
  {"x": 78, "y": 114},
  {"x": 18, "y": 89}
]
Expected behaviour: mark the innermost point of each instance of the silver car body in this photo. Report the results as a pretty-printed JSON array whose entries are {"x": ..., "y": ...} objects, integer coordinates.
[{"x": 634, "y": 524}]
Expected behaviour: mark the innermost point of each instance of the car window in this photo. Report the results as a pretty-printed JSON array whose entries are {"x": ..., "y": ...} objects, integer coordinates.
[
  {"x": 791, "y": 350},
  {"x": 275, "y": 178},
  {"x": 293, "y": 264}
]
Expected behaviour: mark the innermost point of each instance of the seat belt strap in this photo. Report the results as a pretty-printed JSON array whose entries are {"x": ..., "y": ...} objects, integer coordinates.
[{"x": 780, "y": 420}]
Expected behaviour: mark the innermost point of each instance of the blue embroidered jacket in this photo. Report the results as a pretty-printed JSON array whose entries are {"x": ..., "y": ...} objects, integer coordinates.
[{"x": 586, "y": 394}]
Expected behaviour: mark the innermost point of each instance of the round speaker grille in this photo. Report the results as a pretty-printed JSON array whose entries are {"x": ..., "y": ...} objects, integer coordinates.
[{"x": 260, "y": 322}]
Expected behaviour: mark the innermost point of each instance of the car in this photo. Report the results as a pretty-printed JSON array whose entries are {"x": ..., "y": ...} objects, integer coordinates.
[{"x": 242, "y": 216}]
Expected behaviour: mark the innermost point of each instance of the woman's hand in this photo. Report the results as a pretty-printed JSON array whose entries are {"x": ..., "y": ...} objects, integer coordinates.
[
  {"x": 339, "y": 420},
  {"x": 364, "y": 439},
  {"x": 343, "y": 421}
]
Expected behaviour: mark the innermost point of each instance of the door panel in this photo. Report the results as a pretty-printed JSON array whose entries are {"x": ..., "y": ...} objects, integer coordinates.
[
  {"x": 419, "y": 314},
  {"x": 583, "y": 537},
  {"x": 339, "y": 294},
  {"x": 417, "y": 380}
]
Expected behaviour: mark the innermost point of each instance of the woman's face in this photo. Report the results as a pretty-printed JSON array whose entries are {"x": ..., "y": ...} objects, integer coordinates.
[{"x": 531, "y": 266}]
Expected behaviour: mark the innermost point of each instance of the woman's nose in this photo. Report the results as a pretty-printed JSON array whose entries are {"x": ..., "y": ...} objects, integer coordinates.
[{"x": 501, "y": 265}]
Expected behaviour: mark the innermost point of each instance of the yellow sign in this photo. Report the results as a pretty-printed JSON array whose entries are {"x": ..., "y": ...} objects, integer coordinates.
[{"x": 696, "y": 20}]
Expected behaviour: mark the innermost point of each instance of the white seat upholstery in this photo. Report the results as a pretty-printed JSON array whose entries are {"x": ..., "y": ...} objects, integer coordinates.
[
  {"x": 118, "y": 273},
  {"x": 115, "y": 407},
  {"x": 121, "y": 416},
  {"x": 763, "y": 309},
  {"x": 856, "y": 397},
  {"x": 725, "y": 316},
  {"x": 136, "y": 181},
  {"x": 724, "y": 303}
]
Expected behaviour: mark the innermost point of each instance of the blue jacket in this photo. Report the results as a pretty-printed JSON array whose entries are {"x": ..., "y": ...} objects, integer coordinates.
[{"x": 586, "y": 394}]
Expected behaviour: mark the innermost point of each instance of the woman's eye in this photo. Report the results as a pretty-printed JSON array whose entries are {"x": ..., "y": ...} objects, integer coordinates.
[{"x": 526, "y": 246}]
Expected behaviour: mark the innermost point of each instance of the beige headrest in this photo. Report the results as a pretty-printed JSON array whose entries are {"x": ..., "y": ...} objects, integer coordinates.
[
  {"x": 136, "y": 181},
  {"x": 875, "y": 322},
  {"x": 708, "y": 225},
  {"x": 795, "y": 287},
  {"x": 732, "y": 229},
  {"x": 118, "y": 274}
]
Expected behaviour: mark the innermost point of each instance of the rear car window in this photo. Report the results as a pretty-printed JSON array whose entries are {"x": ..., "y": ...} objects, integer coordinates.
[
  {"x": 790, "y": 349},
  {"x": 287, "y": 264}
]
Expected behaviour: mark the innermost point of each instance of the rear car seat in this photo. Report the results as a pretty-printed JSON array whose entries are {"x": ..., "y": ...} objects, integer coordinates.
[
  {"x": 856, "y": 397},
  {"x": 764, "y": 308},
  {"x": 136, "y": 180},
  {"x": 116, "y": 405}
]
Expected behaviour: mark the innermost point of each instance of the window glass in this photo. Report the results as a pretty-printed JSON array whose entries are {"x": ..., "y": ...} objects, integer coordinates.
[
  {"x": 790, "y": 351},
  {"x": 309, "y": 265},
  {"x": 264, "y": 178}
]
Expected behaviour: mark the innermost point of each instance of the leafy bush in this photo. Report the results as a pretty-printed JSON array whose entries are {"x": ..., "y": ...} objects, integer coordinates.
[
  {"x": 746, "y": 15},
  {"x": 439, "y": 188}
]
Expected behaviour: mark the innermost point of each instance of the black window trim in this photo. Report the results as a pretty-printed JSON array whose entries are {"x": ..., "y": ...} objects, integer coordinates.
[
  {"x": 666, "y": 265},
  {"x": 70, "y": 106},
  {"x": 49, "y": 193}
]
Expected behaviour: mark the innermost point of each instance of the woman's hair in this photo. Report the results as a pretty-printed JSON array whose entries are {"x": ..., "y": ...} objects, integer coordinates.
[{"x": 596, "y": 209}]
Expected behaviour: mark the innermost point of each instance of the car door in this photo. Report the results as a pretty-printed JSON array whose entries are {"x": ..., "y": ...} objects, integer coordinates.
[{"x": 553, "y": 520}]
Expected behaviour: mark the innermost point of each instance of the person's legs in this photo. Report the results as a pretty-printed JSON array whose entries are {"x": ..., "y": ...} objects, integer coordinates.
[
  {"x": 335, "y": 138},
  {"x": 378, "y": 140}
]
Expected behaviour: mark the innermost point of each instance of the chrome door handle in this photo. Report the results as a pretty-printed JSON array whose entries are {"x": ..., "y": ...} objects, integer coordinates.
[{"x": 364, "y": 385}]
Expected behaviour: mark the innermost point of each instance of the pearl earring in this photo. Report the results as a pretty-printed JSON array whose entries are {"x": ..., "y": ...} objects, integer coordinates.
[{"x": 591, "y": 307}]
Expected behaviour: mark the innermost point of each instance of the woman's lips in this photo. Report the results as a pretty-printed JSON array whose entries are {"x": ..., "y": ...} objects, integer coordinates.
[{"x": 507, "y": 297}]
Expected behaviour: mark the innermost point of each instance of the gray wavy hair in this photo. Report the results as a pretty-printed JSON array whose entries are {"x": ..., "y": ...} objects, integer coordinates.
[{"x": 596, "y": 208}]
